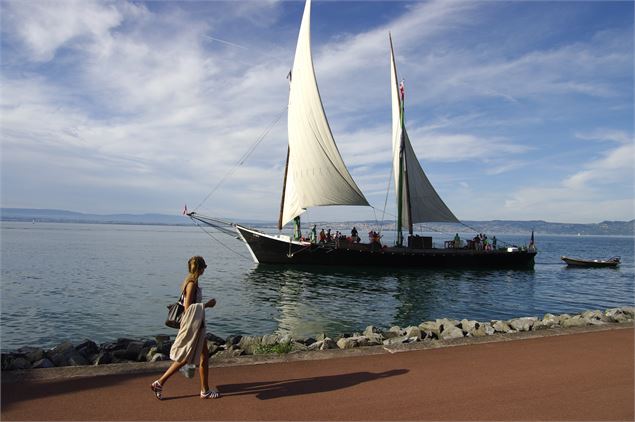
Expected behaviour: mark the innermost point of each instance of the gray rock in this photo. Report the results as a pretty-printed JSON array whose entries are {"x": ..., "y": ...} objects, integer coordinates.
[
  {"x": 325, "y": 344},
  {"x": 306, "y": 341},
  {"x": 522, "y": 324},
  {"x": 374, "y": 339},
  {"x": 370, "y": 331},
  {"x": 629, "y": 311},
  {"x": 270, "y": 339},
  {"x": 328, "y": 343},
  {"x": 390, "y": 334},
  {"x": 159, "y": 357},
  {"x": 575, "y": 321},
  {"x": 415, "y": 332},
  {"x": 43, "y": 363},
  {"x": 593, "y": 315},
  {"x": 397, "y": 330},
  {"x": 35, "y": 355},
  {"x": 103, "y": 358},
  {"x": 347, "y": 343},
  {"x": 212, "y": 347},
  {"x": 445, "y": 323},
  {"x": 19, "y": 363},
  {"x": 143, "y": 354},
  {"x": 316, "y": 346},
  {"x": 296, "y": 346},
  {"x": 483, "y": 329},
  {"x": 162, "y": 338},
  {"x": 87, "y": 348},
  {"x": 451, "y": 332},
  {"x": 469, "y": 326},
  {"x": 59, "y": 354},
  {"x": 285, "y": 339},
  {"x": 151, "y": 352},
  {"x": 133, "y": 349},
  {"x": 547, "y": 321},
  {"x": 615, "y": 315},
  {"x": 249, "y": 344},
  {"x": 501, "y": 327},
  {"x": 321, "y": 336},
  {"x": 395, "y": 340},
  {"x": 233, "y": 340},
  {"x": 431, "y": 328},
  {"x": 77, "y": 359}
]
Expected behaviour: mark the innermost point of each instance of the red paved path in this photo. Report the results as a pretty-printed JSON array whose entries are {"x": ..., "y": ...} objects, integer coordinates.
[{"x": 587, "y": 376}]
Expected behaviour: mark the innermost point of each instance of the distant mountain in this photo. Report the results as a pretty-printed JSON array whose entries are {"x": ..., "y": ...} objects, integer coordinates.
[
  {"x": 62, "y": 216},
  {"x": 607, "y": 228}
]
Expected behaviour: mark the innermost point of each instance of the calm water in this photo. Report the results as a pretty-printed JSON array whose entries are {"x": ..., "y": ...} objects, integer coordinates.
[{"x": 75, "y": 281}]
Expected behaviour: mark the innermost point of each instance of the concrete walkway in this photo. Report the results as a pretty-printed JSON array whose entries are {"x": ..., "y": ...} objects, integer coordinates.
[{"x": 580, "y": 375}]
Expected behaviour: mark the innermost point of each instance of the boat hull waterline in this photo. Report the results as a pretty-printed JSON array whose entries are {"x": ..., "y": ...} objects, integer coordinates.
[{"x": 269, "y": 249}]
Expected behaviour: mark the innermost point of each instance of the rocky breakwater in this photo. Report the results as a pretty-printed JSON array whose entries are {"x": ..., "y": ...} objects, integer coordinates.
[{"x": 158, "y": 349}]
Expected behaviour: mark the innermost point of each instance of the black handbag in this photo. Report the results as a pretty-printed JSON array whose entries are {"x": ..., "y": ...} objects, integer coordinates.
[{"x": 175, "y": 312}]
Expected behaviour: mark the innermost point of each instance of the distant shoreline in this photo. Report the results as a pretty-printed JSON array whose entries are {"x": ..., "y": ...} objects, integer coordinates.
[
  {"x": 334, "y": 226},
  {"x": 605, "y": 228}
]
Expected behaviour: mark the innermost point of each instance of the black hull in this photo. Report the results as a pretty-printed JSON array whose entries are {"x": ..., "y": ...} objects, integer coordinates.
[{"x": 267, "y": 249}]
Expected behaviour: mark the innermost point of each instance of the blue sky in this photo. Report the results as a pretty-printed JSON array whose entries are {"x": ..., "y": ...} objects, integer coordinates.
[{"x": 517, "y": 110}]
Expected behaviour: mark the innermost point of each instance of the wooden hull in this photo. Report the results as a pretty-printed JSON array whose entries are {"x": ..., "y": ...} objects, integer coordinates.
[
  {"x": 574, "y": 262},
  {"x": 268, "y": 249}
]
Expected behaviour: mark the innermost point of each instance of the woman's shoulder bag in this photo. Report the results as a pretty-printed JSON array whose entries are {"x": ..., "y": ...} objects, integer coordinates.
[{"x": 175, "y": 311}]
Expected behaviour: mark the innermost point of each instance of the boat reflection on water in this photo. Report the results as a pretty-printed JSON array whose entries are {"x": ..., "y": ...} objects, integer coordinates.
[{"x": 306, "y": 301}]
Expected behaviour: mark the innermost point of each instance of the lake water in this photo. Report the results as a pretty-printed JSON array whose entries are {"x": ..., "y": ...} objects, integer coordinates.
[{"x": 75, "y": 281}]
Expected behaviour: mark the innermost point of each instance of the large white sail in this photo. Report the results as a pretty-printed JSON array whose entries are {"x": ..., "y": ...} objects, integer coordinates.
[
  {"x": 420, "y": 202},
  {"x": 316, "y": 174}
]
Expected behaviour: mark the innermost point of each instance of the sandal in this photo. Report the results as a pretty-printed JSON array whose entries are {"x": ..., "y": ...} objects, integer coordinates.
[
  {"x": 157, "y": 388},
  {"x": 210, "y": 394}
]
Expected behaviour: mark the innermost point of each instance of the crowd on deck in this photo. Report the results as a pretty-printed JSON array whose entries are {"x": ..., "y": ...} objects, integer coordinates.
[
  {"x": 328, "y": 236},
  {"x": 479, "y": 242}
]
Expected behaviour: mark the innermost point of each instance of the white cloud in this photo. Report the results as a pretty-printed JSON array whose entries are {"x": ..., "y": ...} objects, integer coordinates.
[
  {"x": 616, "y": 165},
  {"x": 43, "y": 27}
]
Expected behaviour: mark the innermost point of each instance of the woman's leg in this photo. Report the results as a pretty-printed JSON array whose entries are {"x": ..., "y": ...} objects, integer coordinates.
[
  {"x": 171, "y": 371},
  {"x": 204, "y": 369}
]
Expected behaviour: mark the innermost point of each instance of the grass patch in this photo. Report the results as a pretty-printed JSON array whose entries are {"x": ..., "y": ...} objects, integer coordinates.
[{"x": 278, "y": 348}]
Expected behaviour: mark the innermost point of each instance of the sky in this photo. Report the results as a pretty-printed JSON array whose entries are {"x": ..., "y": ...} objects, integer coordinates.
[{"x": 516, "y": 110}]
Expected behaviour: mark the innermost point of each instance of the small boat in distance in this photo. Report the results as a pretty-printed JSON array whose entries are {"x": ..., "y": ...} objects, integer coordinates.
[{"x": 576, "y": 262}]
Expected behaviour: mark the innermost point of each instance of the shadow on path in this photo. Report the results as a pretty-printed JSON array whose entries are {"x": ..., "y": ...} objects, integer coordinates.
[{"x": 267, "y": 390}]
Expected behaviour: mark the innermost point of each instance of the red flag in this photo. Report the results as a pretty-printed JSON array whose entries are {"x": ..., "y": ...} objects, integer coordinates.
[
  {"x": 185, "y": 210},
  {"x": 401, "y": 89}
]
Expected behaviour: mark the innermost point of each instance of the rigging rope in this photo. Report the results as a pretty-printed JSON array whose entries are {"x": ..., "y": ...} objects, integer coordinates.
[
  {"x": 244, "y": 156},
  {"x": 223, "y": 230},
  {"x": 383, "y": 214}
]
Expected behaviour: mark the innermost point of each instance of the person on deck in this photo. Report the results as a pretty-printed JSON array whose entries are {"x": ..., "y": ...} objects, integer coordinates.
[
  {"x": 191, "y": 344},
  {"x": 322, "y": 236},
  {"x": 354, "y": 235},
  {"x": 297, "y": 231},
  {"x": 457, "y": 241},
  {"x": 313, "y": 235},
  {"x": 477, "y": 242}
]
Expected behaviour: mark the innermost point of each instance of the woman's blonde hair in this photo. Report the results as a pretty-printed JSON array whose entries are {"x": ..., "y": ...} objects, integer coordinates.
[{"x": 196, "y": 264}]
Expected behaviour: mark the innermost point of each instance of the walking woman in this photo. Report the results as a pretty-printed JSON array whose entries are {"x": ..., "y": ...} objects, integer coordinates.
[{"x": 190, "y": 343}]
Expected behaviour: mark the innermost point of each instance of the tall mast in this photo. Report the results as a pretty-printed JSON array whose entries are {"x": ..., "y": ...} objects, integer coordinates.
[
  {"x": 402, "y": 171},
  {"x": 284, "y": 188}
]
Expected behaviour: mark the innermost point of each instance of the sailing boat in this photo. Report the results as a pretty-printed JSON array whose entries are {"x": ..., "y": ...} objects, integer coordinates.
[{"x": 315, "y": 175}]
